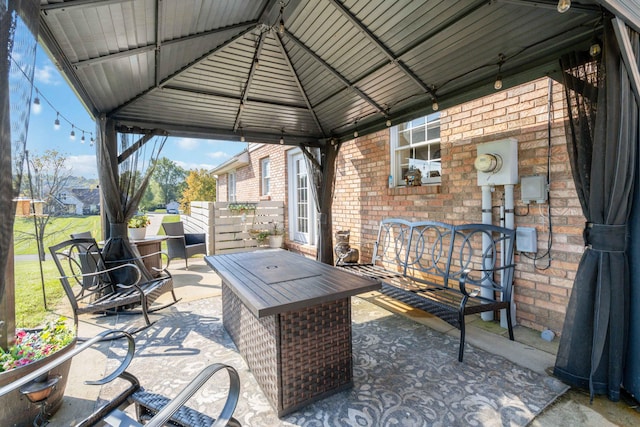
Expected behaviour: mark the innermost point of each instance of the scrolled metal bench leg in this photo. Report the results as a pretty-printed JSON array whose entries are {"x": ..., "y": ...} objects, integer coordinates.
[{"x": 462, "y": 331}]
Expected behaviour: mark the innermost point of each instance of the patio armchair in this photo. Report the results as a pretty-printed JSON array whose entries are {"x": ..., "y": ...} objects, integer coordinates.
[
  {"x": 181, "y": 244},
  {"x": 93, "y": 285},
  {"x": 151, "y": 409}
]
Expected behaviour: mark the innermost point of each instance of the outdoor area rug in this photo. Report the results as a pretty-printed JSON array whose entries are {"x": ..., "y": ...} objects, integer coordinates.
[{"x": 405, "y": 374}]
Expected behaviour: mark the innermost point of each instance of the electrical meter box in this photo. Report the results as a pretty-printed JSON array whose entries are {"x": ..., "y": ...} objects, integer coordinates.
[{"x": 497, "y": 162}]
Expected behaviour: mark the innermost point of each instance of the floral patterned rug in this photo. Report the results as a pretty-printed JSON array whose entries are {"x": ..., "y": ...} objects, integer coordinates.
[{"x": 405, "y": 374}]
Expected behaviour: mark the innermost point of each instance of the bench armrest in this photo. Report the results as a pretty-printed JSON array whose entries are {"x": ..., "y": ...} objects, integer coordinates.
[{"x": 463, "y": 279}]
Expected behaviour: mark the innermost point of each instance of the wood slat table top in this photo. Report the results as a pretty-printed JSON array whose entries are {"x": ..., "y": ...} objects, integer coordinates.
[{"x": 275, "y": 281}]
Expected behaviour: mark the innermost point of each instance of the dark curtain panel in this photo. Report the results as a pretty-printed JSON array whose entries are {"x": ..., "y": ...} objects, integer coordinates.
[
  {"x": 18, "y": 38},
  {"x": 122, "y": 183},
  {"x": 321, "y": 168},
  {"x": 602, "y": 138}
]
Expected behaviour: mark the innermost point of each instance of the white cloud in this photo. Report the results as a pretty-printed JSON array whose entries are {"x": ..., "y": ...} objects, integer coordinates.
[
  {"x": 188, "y": 143},
  {"x": 219, "y": 155},
  {"x": 190, "y": 166},
  {"x": 47, "y": 75},
  {"x": 84, "y": 165}
]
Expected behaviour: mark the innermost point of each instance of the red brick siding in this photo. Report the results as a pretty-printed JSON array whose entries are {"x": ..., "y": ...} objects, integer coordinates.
[{"x": 362, "y": 196}]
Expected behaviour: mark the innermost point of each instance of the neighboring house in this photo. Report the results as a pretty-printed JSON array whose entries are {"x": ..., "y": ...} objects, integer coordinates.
[
  {"x": 80, "y": 201},
  {"x": 444, "y": 145}
]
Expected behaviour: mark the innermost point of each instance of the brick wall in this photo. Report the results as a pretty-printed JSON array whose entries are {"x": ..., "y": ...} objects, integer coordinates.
[
  {"x": 362, "y": 196},
  {"x": 249, "y": 178}
]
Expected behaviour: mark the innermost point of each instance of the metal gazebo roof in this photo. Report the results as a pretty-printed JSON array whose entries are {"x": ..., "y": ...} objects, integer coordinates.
[{"x": 305, "y": 71}]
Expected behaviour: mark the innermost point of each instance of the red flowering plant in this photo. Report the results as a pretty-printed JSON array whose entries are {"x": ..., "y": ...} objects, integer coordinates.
[{"x": 32, "y": 345}]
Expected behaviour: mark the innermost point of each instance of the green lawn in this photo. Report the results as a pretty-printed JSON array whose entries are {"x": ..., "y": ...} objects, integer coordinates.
[
  {"x": 30, "y": 310},
  {"x": 56, "y": 231}
]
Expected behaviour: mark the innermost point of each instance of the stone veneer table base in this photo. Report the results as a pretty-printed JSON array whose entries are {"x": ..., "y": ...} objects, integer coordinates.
[{"x": 297, "y": 357}]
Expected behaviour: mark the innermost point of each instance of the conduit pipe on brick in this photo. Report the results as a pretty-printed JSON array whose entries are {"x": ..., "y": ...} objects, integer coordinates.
[
  {"x": 509, "y": 222},
  {"x": 486, "y": 244}
]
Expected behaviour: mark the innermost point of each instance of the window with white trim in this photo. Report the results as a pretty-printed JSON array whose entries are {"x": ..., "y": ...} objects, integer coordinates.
[
  {"x": 231, "y": 186},
  {"x": 416, "y": 145},
  {"x": 265, "y": 171}
]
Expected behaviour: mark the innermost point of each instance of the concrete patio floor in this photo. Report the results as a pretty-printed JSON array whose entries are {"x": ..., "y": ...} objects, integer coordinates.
[{"x": 529, "y": 350}]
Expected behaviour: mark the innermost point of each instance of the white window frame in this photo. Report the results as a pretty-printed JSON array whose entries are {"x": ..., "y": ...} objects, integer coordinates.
[
  {"x": 265, "y": 172},
  {"x": 231, "y": 186},
  {"x": 433, "y": 161},
  {"x": 296, "y": 157}
]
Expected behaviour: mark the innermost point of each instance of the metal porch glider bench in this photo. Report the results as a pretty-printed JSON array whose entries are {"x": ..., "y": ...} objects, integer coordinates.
[
  {"x": 93, "y": 285},
  {"x": 446, "y": 270}
]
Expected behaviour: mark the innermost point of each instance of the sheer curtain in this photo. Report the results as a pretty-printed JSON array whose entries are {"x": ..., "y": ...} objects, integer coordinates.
[
  {"x": 602, "y": 138},
  {"x": 124, "y": 177},
  {"x": 18, "y": 39}
]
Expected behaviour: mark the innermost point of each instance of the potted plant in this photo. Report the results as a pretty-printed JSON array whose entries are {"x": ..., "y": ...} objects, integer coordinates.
[
  {"x": 32, "y": 349},
  {"x": 276, "y": 236},
  {"x": 138, "y": 226}
]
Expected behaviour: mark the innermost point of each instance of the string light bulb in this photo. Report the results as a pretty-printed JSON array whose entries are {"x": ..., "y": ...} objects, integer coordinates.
[
  {"x": 595, "y": 49},
  {"x": 498, "y": 83},
  {"x": 82, "y": 138},
  {"x": 72, "y": 135},
  {"x": 282, "y": 137},
  {"x": 37, "y": 108},
  {"x": 91, "y": 141},
  {"x": 434, "y": 104},
  {"x": 281, "y": 26},
  {"x": 388, "y": 123},
  {"x": 56, "y": 123},
  {"x": 564, "y": 5},
  {"x": 355, "y": 132}
]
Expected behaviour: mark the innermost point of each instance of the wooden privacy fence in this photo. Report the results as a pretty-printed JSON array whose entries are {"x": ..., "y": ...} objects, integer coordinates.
[{"x": 228, "y": 225}]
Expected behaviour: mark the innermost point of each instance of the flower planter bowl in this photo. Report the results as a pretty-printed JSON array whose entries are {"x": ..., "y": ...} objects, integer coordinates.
[
  {"x": 137, "y": 233},
  {"x": 275, "y": 240},
  {"x": 16, "y": 410}
]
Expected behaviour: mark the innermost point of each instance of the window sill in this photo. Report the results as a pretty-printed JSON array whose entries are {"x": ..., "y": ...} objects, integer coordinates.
[{"x": 420, "y": 189}]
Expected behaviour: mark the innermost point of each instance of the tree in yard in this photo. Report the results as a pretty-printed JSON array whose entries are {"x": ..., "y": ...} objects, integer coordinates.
[
  {"x": 49, "y": 177},
  {"x": 201, "y": 185},
  {"x": 170, "y": 178}
]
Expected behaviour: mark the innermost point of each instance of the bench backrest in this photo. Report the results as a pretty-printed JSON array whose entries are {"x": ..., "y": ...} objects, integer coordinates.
[
  {"x": 390, "y": 248},
  {"x": 485, "y": 252},
  {"x": 438, "y": 253}
]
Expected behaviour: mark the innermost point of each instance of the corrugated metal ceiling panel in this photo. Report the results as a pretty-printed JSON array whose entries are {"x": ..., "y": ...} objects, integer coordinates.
[{"x": 355, "y": 59}]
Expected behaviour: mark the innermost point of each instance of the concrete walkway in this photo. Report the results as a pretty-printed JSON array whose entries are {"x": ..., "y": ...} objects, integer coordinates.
[{"x": 529, "y": 350}]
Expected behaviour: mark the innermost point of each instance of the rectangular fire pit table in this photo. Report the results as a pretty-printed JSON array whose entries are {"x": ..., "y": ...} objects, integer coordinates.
[{"x": 290, "y": 318}]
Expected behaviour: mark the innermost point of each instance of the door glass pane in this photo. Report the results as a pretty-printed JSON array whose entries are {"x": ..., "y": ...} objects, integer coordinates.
[{"x": 303, "y": 199}]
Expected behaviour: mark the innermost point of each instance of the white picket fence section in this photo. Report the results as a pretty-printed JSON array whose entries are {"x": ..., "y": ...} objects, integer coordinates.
[{"x": 227, "y": 231}]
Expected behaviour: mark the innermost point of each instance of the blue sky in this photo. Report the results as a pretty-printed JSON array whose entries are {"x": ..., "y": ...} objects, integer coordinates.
[{"x": 186, "y": 152}]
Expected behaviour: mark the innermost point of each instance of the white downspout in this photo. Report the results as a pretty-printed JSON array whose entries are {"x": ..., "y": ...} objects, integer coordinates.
[
  {"x": 486, "y": 243},
  {"x": 509, "y": 222}
]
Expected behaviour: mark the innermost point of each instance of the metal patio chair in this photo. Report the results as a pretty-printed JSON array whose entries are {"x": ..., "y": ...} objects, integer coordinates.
[
  {"x": 92, "y": 285},
  {"x": 151, "y": 409}
]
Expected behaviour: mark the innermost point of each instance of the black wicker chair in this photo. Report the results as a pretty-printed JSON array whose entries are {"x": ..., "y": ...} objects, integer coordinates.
[{"x": 181, "y": 244}]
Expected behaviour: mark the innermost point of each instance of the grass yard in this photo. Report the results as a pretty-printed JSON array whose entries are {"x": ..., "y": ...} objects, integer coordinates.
[
  {"x": 56, "y": 231},
  {"x": 30, "y": 310}
]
